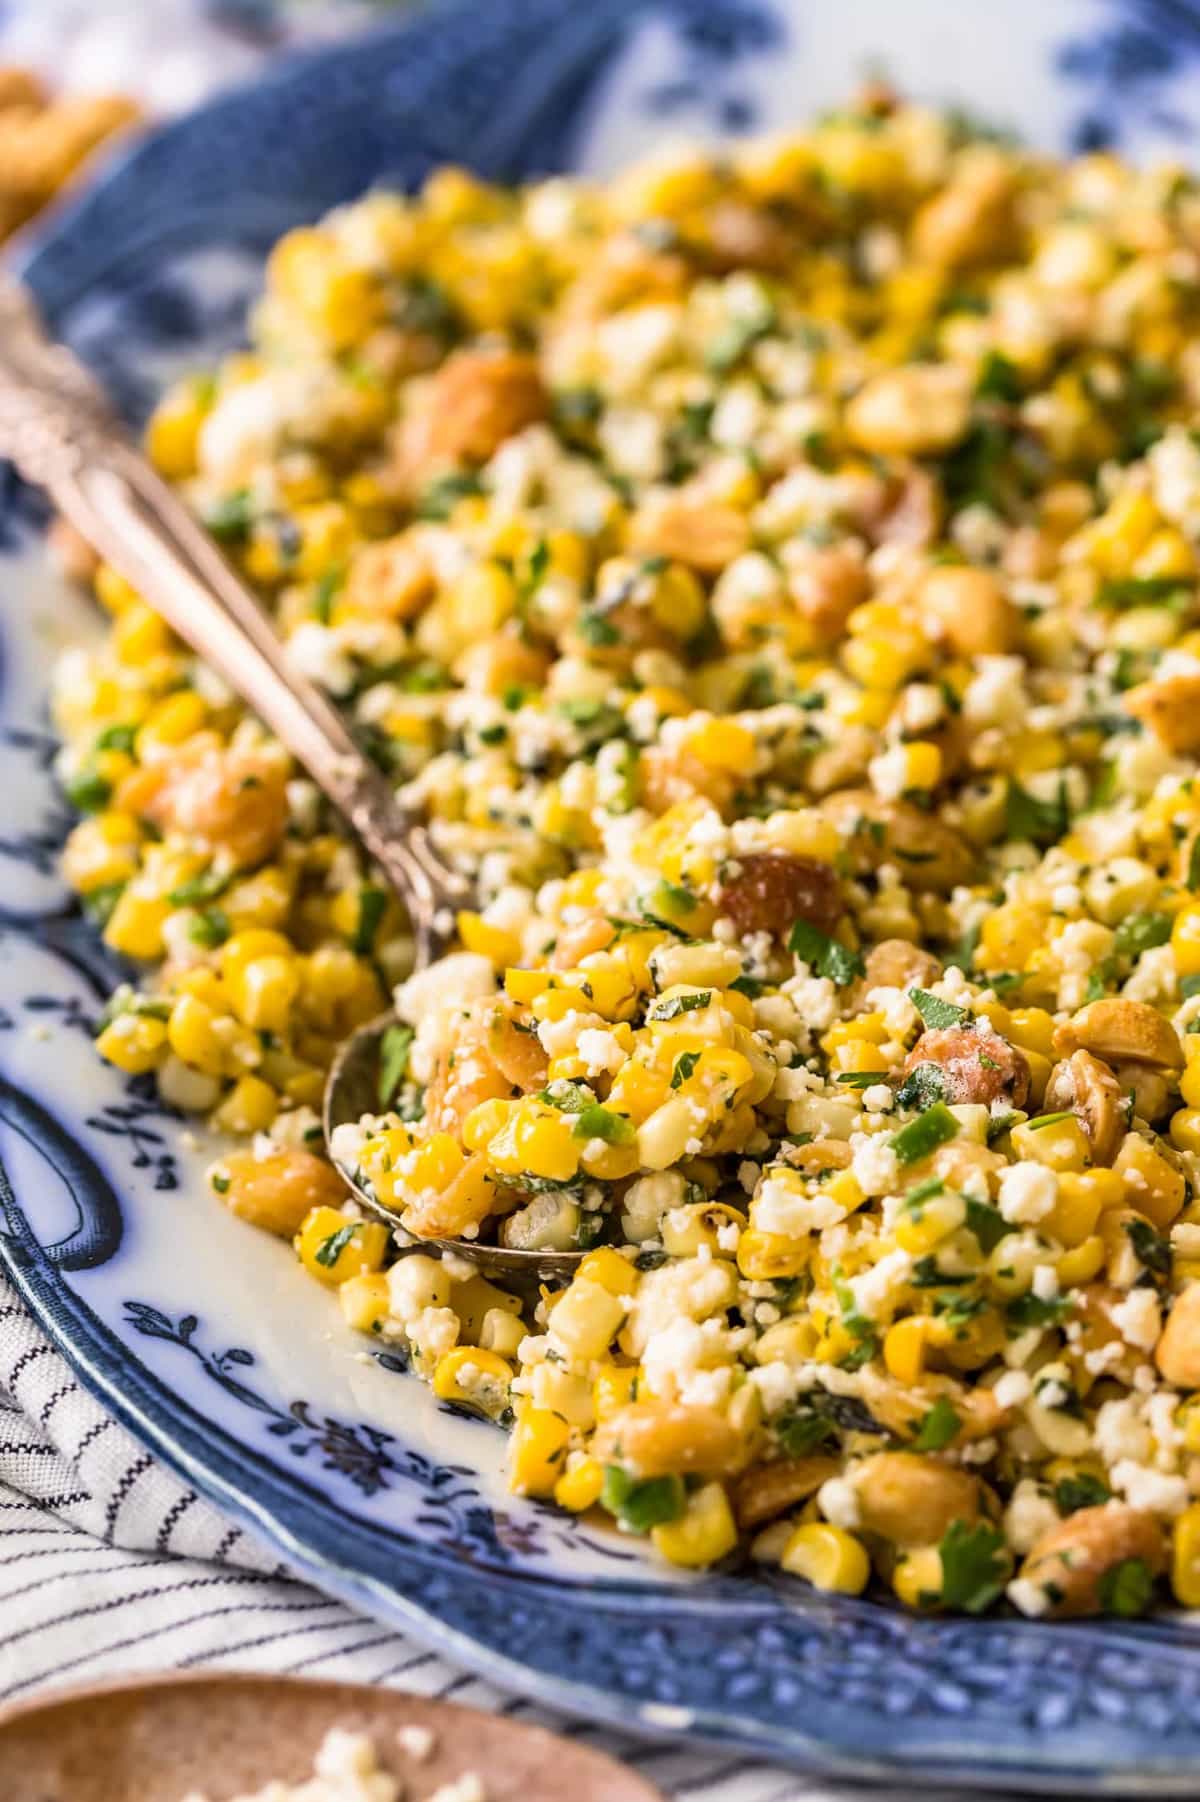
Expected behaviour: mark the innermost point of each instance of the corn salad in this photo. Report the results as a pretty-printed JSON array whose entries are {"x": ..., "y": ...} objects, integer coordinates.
[{"x": 775, "y": 576}]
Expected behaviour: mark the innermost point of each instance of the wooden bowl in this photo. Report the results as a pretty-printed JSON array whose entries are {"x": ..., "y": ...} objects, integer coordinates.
[{"x": 224, "y": 1734}]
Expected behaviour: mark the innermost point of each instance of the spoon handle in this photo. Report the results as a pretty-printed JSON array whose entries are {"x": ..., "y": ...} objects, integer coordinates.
[{"x": 56, "y": 427}]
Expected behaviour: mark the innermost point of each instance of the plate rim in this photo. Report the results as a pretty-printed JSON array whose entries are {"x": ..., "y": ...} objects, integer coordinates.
[{"x": 103, "y": 1365}]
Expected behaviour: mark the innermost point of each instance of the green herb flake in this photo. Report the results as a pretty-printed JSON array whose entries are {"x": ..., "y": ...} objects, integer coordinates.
[
  {"x": 825, "y": 955},
  {"x": 679, "y": 1004},
  {"x": 330, "y": 1249},
  {"x": 938, "y": 1427},
  {"x": 1045, "y": 1120},
  {"x": 924, "y": 1085},
  {"x": 1080, "y": 1491},
  {"x": 394, "y": 1047},
  {"x": 1031, "y": 820},
  {"x": 987, "y": 1224},
  {"x": 199, "y": 889},
  {"x": 100, "y": 903},
  {"x": 372, "y": 905},
  {"x": 210, "y": 928},
  {"x": 685, "y": 1064},
  {"x": 88, "y": 792},
  {"x": 1141, "y": 932},
  {"x": 117, "y": 738},
  {"x": 230, "y": 517},
  {"x": 1033, "y": 1310},
  {"x": 975, "y": 1566},
  {"x": 1149, "y": 1248},
  {"x": 1127, "y": 1589},
  {"x": 936, "y": 1013}
]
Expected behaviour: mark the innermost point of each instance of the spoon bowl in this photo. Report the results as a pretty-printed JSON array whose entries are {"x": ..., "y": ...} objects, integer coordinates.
[{"x": 352, "y": 1090}]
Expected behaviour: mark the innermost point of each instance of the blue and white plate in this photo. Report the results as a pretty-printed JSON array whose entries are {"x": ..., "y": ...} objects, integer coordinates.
[{"x": 197, "y": 1332}]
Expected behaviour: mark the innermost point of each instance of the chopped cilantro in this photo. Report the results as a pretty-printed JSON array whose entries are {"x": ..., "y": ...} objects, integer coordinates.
[
  {"x": 679, "y": 1004},
  {"x": 1080, "y": 1491},
  {"x": 938, "y": 1013},
  {"x": 1126, "y": 1589},
  {"x": 230, "y": 517},
  {"x": 1142, "y": 591},
  {"x": 1044, "y": 1120},
  {"x": 987, "y": 1223},
  {"x": 938, "y": 1427},
  {"x": 922, "y": 1087},
  {"x": 88, "y": 792},
  {"x": 1141, "y": 932},
  {"x": 98, "y": 904},
  {"x": 1034, "y": 1310},
  {"x": 1149, "y": 1248},
  {"x": 826, "y": 956},
  {"x": 372, "y": 905},
  {"x": 330, "y": 1249},
  {"x": 1031, "y": 820},
  {"x": 117, "y": 738},
  {"x": 800, "y": 1434},
  {"x": 443, "y": 494},
  {"x": 567, "y": 1097},
  {"x": 685, "y": 1063},
  {"x": 860, "y": 1079},
  {"x": 975, "y": 1566},
  {"x": 594, "y": 629},
  {"x": 999, "y": 379},
  {"x": 394, "y": 1047},
  {"x": 210, "y": 928},
  {"x": 326, "y": 589}
]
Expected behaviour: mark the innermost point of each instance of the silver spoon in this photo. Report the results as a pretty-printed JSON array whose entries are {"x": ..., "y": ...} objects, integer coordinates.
[{"x": 56, "y": 426}]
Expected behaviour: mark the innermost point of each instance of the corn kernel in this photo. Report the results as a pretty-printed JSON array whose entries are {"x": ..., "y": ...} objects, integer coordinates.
[
  {"x": 1185, "y": 940},
  {"x": 474, "y": 1378},
  {"x": 1185, "y": 1557},
  {"x": 134, "y": 1043},
  {"x": 580, "y": 1488},
  {"x": 1081, "y": 1264},
  {"x": 608, "y": 1268},
  {"x": 765, "y": 1257},
  {"x": 1185, "y": 1127},
  {"x": 250, "y": 1106},
  {"x": 615, "y": 1386},
  {"x": 918, "y": 1577},
  {"x": 705, "y": 1531},
  {"x": 828, "y": 1557},
  {"x": 536, "y": 1451},
  {"x": 587, "y": 1318},
  {"x": 333, "y": 1248},
  {"x": 904, "y": 1348},
  {"x": 364, "y": 1302}
]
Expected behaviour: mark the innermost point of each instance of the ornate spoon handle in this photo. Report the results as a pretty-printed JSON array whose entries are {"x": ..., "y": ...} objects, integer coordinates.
[{"x": 56, "y": 427}]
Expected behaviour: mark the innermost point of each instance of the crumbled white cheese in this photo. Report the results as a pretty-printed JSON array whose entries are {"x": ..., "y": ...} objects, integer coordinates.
[
  {"x": 1138, "y": 1318},
  {"x": 837, "y": 1499},
  {"x": 1154, "y": 1490},
  {"x": 1029, "y": 1514},
  {"x": 1013, "y": 1388},
  {"x": 463, "y": 976},
  {"x": 780, "y": 1206},
  {"x": 1027, "y": 1193},
  {"x": 875, "y": 1166},
  {"x": 1027, "y": 1596},
  {"x": 877, "y": 1289}
]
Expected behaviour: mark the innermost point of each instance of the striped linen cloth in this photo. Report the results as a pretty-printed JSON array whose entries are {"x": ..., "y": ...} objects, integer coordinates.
[{"x": 110, "y": 1565}]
